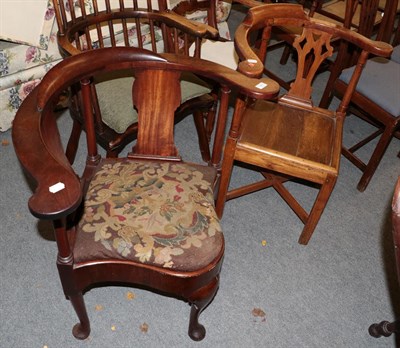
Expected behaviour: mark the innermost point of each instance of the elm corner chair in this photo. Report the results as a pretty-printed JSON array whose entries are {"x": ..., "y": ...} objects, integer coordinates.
[
  {"x": 375, "y": 101},
  {"x": 147, "y": 219},
  {"x": 109, "y": 24},
  {"x": 290, "y": 138},
  {"x": 386, "y": 328}
]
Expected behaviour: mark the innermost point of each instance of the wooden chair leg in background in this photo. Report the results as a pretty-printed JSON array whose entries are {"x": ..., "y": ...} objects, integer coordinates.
[
  {"x": 73, "y": 142},
  {"x": 317, "y": 209},
  {"x": 202, "y": 135},
  {"x": 384, "y": 328}
]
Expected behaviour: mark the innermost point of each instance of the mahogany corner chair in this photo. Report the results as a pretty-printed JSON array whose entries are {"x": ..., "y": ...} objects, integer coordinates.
[
  {"x": 147, "y": 219},
  {"x": 290, "y": 139},
  {"x": 97, "y": 24}
]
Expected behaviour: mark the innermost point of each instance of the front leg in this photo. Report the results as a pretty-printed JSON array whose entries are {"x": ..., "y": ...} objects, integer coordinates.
[{"x": 199, "y": 300}]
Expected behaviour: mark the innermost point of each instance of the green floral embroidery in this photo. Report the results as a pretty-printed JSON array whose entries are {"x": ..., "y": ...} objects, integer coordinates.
[{"x": 150, "y": 211}]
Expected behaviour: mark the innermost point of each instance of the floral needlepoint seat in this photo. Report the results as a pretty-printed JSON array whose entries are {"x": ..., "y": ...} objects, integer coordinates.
[{"x": 163, "y": 216}]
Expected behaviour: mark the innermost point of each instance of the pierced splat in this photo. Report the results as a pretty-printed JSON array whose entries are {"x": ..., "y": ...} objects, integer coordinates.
[{"x": 313, "y": 47}]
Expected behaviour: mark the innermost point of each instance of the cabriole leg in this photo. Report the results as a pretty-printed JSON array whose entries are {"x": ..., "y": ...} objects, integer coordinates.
[{"x": 199, "y": 301}]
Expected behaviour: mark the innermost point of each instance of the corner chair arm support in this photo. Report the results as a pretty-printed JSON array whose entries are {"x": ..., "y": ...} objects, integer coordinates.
[{"x": 50, "y": 200}]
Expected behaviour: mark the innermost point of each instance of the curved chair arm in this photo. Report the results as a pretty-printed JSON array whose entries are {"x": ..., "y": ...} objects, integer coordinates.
[
  {"x": 28, "y": 135},
  {"x": 250, "y": 63},
  {"x": 35, "y": 133},
  {"x": 274, "y": 14},
  {"x": 195, "y": 28},
  {"x": 264, "y": 88},
  {"x": 94, "y": 60},
  {"x": 171, "y": 19}
]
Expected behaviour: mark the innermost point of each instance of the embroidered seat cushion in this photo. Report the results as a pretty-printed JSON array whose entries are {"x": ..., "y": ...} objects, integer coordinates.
[
  {"x": 115, "y": 99},
  {"x": 157, "y": 213}
]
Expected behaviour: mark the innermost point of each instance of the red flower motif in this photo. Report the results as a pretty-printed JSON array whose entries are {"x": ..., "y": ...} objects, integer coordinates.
[
  {"x": 49, "y": 14},
  {"x": 178, "y": 188},
  {"x": 27, "y": 88},
  {"x": 30, "y": 54}
]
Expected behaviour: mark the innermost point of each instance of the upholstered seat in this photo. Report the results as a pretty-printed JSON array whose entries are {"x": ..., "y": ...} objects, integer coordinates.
[
  {"x": 337, "y": 9},
  {"x": 165, "y": 216},
  {"x": 376, "y": 100},
  {"x": 379, "y": 83},
  {"x": 24, "y": 62},
  {"x": 221, "y": 52},
  {"x": 395, "y": 57}
]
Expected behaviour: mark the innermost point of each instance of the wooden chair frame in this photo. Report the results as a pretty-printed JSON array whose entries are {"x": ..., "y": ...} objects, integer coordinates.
[
  {"x": 387, "y": 125},
  {"x": 258, "y": 130},
  {"x": 359, "y": 16},
  {"x": 178, "y": 34},
  {"x": 38, "y": 146}
]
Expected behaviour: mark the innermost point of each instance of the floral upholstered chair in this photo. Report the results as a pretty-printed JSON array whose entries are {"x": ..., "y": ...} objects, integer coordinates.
[{"x": 27, "y": 52}]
